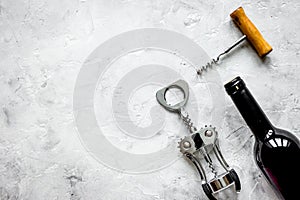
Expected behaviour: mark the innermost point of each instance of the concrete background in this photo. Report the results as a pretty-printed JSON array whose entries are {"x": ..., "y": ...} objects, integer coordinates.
[{"x": 43, "y": 45}]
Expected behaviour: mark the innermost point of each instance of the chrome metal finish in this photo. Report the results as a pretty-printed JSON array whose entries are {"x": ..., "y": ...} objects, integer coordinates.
[
  {"x": 161, "y": 98},
  {"x": 214, "y": 61},
  {"x": 179, "y": 107},
  {"x": 200, "y": 145},
  {"x": 187, "y": 120},
  {"x": 221, "y": 182},
  {"x": 191, "y": 148},
  {"x": 208, "y": 133},
  {"x": 211, "y": 165},
  {"x": 198, "y": 167},
  {"x": 187, "y": 144},
  {"x": 221, "y": 158}
]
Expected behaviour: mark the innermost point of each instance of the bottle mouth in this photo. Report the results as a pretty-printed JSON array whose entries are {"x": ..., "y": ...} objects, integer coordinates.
[{"x": 234, "y": 86}]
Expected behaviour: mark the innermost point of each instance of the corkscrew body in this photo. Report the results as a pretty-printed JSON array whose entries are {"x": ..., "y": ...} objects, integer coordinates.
[
  {"x": 250, "y": 32},
  {"x": 200, "y": 145}
]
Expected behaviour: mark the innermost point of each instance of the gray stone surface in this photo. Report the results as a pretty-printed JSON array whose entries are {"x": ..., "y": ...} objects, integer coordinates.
[{"x": 43, "y": 45}]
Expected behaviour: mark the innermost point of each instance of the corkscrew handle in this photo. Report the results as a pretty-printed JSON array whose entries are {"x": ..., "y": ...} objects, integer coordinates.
[{"x": 253, "y": 35}]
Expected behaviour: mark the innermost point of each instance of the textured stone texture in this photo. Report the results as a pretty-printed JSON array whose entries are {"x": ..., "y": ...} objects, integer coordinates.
[{"x": 42, "y": 47}]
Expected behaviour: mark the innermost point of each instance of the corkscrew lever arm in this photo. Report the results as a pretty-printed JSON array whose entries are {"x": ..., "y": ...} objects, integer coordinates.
[
  {"x": 232, "y": 173},
  {"x": 205, "y": 186}
]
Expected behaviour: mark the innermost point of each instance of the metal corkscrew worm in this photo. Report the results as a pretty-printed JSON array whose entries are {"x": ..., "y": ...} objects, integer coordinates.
[
  {"x": 199, "y": 145},
  {"x": 214, "y": 61},
  {"x": 187, "y": 120}
]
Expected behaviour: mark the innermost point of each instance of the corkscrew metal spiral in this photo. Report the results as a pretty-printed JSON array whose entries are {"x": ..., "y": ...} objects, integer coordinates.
[
  {"x": 187, "y": 120},
  {"x": 214, "y": 61},
  {"x": 211, "y": 165}
]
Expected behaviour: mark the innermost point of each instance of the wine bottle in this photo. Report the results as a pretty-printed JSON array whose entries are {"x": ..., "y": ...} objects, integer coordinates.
[{"x": 276, "y": 151}]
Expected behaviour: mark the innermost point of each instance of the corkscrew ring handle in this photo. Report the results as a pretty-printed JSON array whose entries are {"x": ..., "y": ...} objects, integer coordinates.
[{"x": 161, "y": 96}]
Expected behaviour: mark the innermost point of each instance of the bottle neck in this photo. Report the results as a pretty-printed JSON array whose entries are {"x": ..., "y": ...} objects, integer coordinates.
[{"x": 255, "y": 118}]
